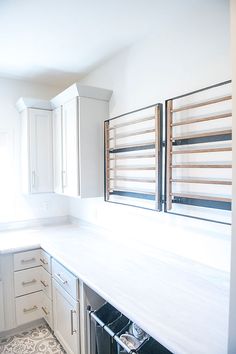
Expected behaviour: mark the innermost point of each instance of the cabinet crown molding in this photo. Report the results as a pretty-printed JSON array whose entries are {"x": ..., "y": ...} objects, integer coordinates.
[
  {"x": 29, "y": 102},
  {"x": 81, "y": 91}
]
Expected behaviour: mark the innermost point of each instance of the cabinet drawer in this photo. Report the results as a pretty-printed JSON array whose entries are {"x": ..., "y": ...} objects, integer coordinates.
[
  {"x": 47, "y": 310},
  {"x": 45, "y": 280},
  {"x": 45, "y": 260},
  {"x": 27, "y": 281},
  {"x": 66, "y": 279},
  {"x": 24, "y": 260},
  {"x": 29, "y": 308}
]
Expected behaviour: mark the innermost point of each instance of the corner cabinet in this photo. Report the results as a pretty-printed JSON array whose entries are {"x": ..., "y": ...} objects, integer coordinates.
[
  {"x": 78, "y": 140},
  {"x": 36, "y": 150}
]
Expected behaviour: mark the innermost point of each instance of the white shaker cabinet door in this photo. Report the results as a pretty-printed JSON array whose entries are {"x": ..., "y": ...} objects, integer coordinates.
[
  {"x": 36, "y": 151},
  {"x": 66, "y": 319},
  {"x": 40, "y": 147},
  {"x": 70, "y": 155}
]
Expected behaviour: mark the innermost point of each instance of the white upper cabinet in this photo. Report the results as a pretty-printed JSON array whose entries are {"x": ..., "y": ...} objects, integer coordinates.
[
  {"x": 36, "y": 149},
  {"x": 78, "y": 140}
]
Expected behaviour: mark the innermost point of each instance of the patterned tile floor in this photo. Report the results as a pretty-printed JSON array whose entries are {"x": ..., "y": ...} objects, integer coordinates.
[{"x": 34, "y": 341}]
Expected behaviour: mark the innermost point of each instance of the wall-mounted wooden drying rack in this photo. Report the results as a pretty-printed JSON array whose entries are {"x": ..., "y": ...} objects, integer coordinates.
[
  {"x": 133, "y": 158},
  {"x": 190, "y": 149},
  {"x": 198, "y": 155}
]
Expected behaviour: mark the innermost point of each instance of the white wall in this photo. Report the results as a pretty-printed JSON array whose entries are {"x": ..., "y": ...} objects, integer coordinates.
[
  {"x": 191, "y": 51},
  {"x": 13, "y": 205}
]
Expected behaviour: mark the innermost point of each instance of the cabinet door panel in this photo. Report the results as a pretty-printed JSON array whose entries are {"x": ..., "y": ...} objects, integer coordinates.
[
  {"x": 66, "y": 319},
  {"x": 40, "y": 147},
  {"x": 70, "y": 170}
]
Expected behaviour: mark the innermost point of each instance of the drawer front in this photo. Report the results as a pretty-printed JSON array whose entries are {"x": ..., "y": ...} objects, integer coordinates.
[
  {"x": 24, "y": 260},
  {"x": 27, "y": 281},
  {"x": 29, "y": 308},
  {"x": 45, "y": 261},
  {"x": 65, "y": 278},
  {"x": 46, "y": 283},
  {"x": 47, "y": 310}
]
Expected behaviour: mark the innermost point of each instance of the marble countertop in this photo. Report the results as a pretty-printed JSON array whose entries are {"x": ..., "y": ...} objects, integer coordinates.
[{"x": 182, "y": 304}]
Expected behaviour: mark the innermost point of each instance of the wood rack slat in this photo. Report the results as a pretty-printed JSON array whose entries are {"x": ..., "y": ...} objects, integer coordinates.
[
  {"x": 201, "y": 119},
  {"x": 126, "y": 135},
  {"x": 136, "y": 121},
  {"x": 133, "y": 179},
  {"x": 202, "y": 166},
  {"x": 203, "y": 197},
  {"x": 201, "y": 181},
  {"x": 199, "y": 151},
  {"x": 200, "y": 135},
  {"x": 134, "y": 168},
  {"x": 201, "y": 104},
  {"x": 130, "y": 157}
]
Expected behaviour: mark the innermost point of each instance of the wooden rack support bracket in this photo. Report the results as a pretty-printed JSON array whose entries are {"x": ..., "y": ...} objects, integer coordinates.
[{"x": 202, "y": 104}]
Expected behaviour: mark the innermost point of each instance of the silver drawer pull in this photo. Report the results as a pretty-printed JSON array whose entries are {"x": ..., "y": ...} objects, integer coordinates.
[
  {"x": 34, "y": 308},
  {"x": 28, "y": 260},
  {"x": 58, "y": 276},
  {"x": 73, "y": 331},
  {"x": 25, "y": 283},
  {"x": 44, "y": 283},
  {"x": 42, "y": 260},
  {"x": 45, "y": 311}
]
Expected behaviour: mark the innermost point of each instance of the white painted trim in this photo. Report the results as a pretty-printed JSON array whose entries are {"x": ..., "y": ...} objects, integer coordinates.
[
  {"x": 80, "y": 91},
  {"x": 29, "y": 102}
]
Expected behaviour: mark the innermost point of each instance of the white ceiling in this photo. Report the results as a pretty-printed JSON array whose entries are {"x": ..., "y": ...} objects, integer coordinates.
[{"x": 58, "y": 41}]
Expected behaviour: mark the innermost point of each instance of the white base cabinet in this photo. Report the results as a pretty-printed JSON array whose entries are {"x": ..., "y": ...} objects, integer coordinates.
[{"x": 66, "y": 319}]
